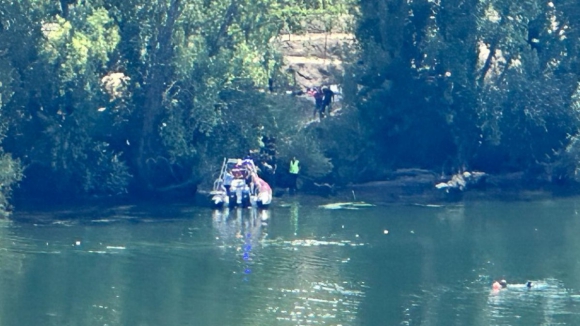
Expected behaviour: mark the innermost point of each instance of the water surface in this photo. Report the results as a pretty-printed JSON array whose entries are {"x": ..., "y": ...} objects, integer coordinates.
[{"x": 295, "y": 264}]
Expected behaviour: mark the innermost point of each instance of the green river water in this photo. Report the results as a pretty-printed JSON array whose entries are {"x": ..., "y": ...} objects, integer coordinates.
[{"x": 294, "y": 264}]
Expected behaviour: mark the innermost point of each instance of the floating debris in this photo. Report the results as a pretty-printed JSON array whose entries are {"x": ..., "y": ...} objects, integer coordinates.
[
  {"x": 347, "y": 205},
  {"x": 116, "y": 247},
  {"x": 428, "y": 205}
]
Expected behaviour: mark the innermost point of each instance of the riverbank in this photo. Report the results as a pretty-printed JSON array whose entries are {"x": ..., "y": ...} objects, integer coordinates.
[
  {"x": 405, "y": 187},
  {"x": 420, "y": 187}
]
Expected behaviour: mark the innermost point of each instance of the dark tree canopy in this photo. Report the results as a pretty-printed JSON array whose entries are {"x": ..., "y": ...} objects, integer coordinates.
[
  {"x": 450, "y": 85},
  {"x": 111, "y": 97}
]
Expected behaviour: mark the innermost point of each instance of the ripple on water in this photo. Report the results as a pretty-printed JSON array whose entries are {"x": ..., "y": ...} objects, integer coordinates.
[
  {"x": 306, "y": 257},
  {"x": 548, "y": 302},
  {"x": 316, "y": 303},
  {"x": 290, "y": 244},
  {"x": 306, "y": 284}
]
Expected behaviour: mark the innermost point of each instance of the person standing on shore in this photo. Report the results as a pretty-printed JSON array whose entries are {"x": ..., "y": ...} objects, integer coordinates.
[
  {"x": 294, "y": 170},
  {"x": 316, "y": 93},
  {"x": 327, "y": 100}
]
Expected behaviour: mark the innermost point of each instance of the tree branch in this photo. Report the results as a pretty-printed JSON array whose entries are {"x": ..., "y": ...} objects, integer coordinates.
[{"x": 226, "y": 23}]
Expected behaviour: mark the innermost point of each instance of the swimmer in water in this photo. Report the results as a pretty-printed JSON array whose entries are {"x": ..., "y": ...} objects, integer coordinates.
[
  {"x": 529, "y": 284},
  {"x": 498, "y": 285}
]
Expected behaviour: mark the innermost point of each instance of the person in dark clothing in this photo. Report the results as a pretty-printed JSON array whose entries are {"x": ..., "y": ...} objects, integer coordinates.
[
  {"x": 328, "y": 94},
  {"x": 271, "y": 85},
  {"x": 318, "y": 97},
  {"x": 268, "y": 158}
]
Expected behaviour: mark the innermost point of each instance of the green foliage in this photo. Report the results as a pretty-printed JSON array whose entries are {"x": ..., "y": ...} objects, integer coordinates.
[
  {"x": 14, "y": 29},
  {"x": 343, "y": 139},
  {"x": 171, "y": 84},
  {"x": 197, "y": 80},
  {"x": 6, "y": 79},
  {"x": 106, "y": 96},
  {"x": 79, "y": 163},
  {"x": 297, "y": 139},
  {"x": 56, "y": 124},
  {"x": 566, "y": 165},
  {"x": 299, "y": 16},
  {"x": 111, "y": 178},
  {"x": 183, "y": 55},
  {"x": 251, "y": 115},
  {"x": 83, "y": 43},
  {"x": 494, "y": 80},
  {"x": 10, "y": 174},
  {"x": 527, "y": 84}
]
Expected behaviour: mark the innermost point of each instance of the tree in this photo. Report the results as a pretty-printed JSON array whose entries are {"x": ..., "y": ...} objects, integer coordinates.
[
  {"x": 467, "y": 84},
  {"x": 11, "y": 31},
  {"x": 103, "y": 93},
  {"x": 57, "y": 116},
  {"x": 195, "y": 80}
]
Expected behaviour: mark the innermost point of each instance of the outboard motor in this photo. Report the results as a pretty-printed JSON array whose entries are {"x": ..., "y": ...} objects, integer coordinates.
[
  {"x": 236, "y": 192},
  {"x": 232, "y": 198},
  {"x": 245, "y": 197}
]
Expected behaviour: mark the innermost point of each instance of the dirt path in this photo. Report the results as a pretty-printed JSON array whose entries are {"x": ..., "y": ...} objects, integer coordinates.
[{"x": 315, "y": 59}]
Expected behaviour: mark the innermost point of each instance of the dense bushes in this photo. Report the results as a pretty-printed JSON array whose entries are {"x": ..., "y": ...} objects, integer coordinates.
[
  {"x": 112, "y": 97},
  {"x": 455, "y": 85}
]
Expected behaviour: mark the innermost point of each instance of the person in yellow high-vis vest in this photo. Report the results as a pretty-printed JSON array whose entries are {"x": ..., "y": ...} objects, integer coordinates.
[{"x": 294, "y": 169}]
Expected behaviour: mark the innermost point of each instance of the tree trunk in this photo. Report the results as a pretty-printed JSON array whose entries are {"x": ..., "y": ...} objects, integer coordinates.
[{"x": 155, "y": 84}]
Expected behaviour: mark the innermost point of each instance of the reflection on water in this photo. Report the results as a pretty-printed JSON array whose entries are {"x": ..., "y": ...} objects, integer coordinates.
[
  {"x": 318, "y": 303},
  {"x": 296, "y": 264},
  {"x": 299, "y": 290},
  {"x": 241, "y": 231}
]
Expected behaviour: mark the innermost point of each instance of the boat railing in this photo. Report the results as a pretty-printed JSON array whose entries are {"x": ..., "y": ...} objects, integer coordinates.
[{"x": 219, "y": 181}]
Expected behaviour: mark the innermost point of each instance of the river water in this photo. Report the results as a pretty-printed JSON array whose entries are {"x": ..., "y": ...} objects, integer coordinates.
[{"x": 294, "y": 264}]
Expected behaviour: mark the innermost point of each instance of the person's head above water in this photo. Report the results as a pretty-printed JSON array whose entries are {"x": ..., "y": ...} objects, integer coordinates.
[
  {"x": 529, "y": 284},
  {"x": 503, "y": 284}
]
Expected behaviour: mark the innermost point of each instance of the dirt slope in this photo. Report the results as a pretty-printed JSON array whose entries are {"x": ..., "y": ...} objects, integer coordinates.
[{"x": 314, "y": 59}]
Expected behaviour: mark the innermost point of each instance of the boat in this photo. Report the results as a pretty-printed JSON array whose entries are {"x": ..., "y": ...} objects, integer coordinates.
[{"x": 239, "y": 185}]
